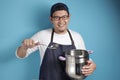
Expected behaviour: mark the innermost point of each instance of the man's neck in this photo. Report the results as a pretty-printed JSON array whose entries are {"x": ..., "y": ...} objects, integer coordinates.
[{"x": 61, "y": 32}]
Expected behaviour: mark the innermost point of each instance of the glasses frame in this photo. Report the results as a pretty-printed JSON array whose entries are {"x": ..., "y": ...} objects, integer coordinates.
[{"x": 57, "y": 18}]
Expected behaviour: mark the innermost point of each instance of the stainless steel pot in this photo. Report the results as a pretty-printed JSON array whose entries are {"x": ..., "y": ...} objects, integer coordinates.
[{"x": 75, "y": 60}]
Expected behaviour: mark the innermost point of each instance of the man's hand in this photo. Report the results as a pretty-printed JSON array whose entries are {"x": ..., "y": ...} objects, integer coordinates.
[
  {"x": 29, "y": 43},
  {"x": 89, "y": 68}
]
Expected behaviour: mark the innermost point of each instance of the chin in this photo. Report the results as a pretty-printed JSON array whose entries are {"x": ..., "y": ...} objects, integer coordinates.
[{"x": 62, "y": 28}]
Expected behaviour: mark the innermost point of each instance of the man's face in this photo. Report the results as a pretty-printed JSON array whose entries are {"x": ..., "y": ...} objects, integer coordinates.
[{"x": 60, "y": 21}]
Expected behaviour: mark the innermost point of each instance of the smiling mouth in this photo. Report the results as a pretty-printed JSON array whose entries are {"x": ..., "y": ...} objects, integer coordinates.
[{"x": 61, "y": 25}]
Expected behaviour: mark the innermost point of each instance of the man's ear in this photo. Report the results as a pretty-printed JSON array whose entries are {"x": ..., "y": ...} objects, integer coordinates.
[
  {"x": 69, "y": 15},
  {"x": 50, "y": 18}
]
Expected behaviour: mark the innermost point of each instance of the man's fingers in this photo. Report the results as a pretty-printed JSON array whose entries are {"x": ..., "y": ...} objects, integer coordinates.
[
  {"x": 89, "y": 68},
  {"x": 37, "y": 43},
  {"x": 87, "y": 71},
  {"x": 30, "y": 43}
]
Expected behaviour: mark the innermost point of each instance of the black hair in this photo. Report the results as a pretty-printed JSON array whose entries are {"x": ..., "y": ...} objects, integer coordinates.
[{"x": 57, "y": 7}]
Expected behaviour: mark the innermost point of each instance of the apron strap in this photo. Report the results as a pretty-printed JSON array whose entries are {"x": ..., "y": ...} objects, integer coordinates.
[
  {"x": 70, "y": 36},
  {"x": 68, "y": 33},
  {"x": 52, "y": 35}
]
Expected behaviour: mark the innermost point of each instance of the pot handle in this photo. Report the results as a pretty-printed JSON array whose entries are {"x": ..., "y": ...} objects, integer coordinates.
[
  {"x": 90, "y": 51},
  {"x": 62, "y": 58}
]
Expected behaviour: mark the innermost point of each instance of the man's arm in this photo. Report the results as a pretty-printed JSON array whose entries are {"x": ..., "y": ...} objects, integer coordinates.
[{"x": 21, "y": 51}]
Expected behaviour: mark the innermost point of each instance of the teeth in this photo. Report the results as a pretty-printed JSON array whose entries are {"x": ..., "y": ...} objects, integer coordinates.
[{"x": 60, "y": 25}]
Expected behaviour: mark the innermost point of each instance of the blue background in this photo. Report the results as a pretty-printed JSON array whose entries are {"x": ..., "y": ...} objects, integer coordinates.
[{"x": 98, "y": 21}]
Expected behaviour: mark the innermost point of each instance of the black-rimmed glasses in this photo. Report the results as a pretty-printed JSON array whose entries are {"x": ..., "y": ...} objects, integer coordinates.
[{"x": 56, "y": 18}]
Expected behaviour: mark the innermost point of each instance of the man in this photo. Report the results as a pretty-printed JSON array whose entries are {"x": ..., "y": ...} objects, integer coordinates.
[{"x": 52, "y": 43}]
